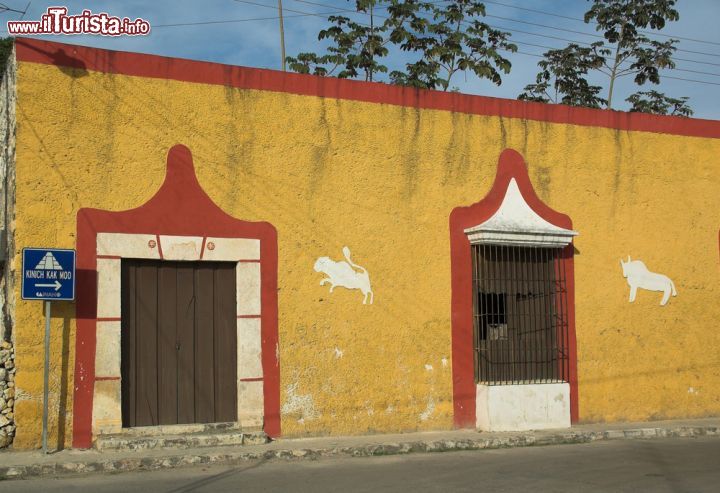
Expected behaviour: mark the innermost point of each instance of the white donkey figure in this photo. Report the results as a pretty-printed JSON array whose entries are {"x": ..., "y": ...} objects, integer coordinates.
[
  {"x": 638, "y": 276},
  {"x": 344, "y": 274}
]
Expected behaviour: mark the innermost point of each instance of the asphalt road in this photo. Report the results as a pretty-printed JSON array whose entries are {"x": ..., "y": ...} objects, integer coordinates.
[{"x": 672, "y": 465}]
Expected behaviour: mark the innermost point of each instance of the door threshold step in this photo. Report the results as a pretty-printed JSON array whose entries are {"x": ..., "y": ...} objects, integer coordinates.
[
  {"x": 213, "y": 438},
  {"x": 183, "y": 429}
]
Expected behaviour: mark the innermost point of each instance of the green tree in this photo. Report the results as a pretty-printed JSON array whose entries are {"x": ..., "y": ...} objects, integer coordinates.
[
  {"x": 354, "y": 48},
  {"x": 624, "y": 52},
  {"x": 445, "y": 37}
]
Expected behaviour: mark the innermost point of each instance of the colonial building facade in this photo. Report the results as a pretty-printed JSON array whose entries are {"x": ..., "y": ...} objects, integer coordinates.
[{"x": 312, "y": 256}]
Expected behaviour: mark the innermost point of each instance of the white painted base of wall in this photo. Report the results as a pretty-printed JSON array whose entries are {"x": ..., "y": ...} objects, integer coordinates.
[{"x": 522, "y": 407}]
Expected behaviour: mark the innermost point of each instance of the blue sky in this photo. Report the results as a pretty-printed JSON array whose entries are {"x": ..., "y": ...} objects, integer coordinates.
[{"x": 255, "y": 43}]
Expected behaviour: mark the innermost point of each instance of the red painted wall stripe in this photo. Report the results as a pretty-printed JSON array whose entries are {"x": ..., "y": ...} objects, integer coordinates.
[
  {"x": 141, "y": 65},
  {"x": 159, "y": 247},
  {"x": 202, "y": 247},
  {"x": 510, "y": 165}
]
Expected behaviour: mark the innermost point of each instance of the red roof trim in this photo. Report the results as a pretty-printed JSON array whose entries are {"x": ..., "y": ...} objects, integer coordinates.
[{"x": 141, "y": 65}]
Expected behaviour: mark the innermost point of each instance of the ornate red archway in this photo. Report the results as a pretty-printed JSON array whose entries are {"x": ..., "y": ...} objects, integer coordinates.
[
  {"x": 510, "y": 166},
  {"x": 180, "y": 208}
]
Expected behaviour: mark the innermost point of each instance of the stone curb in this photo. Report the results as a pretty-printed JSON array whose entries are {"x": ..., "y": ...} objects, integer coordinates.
[{"x": 238, "y": 456}]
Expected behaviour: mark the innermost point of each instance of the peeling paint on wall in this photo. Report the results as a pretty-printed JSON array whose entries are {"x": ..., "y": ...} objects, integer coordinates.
[
  {"x": 425, "y": 415},
  {"x": 301, "y": 405}
]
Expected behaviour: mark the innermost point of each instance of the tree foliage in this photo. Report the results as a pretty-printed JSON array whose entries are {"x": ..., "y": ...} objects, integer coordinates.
[
  {"x": 444, "y": 38},
  {"x": 447, "y": 39},
  {"x": 355, "y": 48},
  {"x": 658, "y": 104},
  {"x": 624, "y": 52},
  {"x": 6, "y": 47},
  {"x": 562, "y": 78}
]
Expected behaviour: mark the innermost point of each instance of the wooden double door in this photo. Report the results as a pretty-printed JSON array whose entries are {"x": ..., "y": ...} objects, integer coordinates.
[{"x": 178, "y": 342}]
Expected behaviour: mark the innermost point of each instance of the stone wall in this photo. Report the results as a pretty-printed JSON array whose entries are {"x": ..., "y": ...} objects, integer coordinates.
[
  {"x": 7, "y": 393},
  {"x": 7, "y": 196},
  {"x": 7, "y": 190}
]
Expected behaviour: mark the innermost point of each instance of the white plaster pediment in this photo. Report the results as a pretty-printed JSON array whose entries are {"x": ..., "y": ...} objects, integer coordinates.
[{"x": 515, "y": 223}]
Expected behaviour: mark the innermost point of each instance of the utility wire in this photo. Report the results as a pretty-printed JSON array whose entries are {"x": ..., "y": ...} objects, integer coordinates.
[
  {"x": 325, "y": 14},
  {"x": 586, "y": 44},
  {"x": 664, "y": 76},
  {"x": 232, "y": 21},
  {"x": 692, "y": 80},
  {"x": 583, "y": 21},
  {"x": 300, "y": 11},
  {"x": 5, "y": 8},
  {"x": 650, "y": 33},
  {"x": 341, "y": 9},
  {"x": 524, "y": 43},
  {"x": 572, "y": 31},
  {"x": 25, "y": 11},
  {"x": 580, "y": 32}
]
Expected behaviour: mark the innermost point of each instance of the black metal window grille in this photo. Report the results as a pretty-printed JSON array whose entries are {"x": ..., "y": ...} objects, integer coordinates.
[{"x": 519, "y": 314}]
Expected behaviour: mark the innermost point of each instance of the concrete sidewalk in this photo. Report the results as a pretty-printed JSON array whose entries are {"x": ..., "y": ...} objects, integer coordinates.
[{"x": 17, "y": 465}]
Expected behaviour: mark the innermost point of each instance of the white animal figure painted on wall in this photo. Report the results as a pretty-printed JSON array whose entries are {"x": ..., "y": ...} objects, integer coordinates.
[
  {"x": 345, "y": 275},
  {"x": 638, "y": 276}
]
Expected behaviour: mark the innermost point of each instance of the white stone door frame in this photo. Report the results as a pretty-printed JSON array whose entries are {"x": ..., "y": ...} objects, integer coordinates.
[{"x": 111, "y": 249}]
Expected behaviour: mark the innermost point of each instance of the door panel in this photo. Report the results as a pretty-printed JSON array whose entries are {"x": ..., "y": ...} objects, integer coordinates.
[
  {"x": 225, "y": 344},
  {"x": 179, "y": 342},
  {"x": 185, "y": 330},
  {"x": 146, "y": 350},
  {"x": 167, "y": 345},
  {"x": 204, "y": 346}
]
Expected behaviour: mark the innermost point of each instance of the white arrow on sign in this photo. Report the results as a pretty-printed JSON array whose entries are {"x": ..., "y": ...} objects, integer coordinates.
[{"x": 57, "y": 285}]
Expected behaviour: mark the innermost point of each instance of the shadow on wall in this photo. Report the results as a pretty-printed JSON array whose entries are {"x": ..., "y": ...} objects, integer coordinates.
[
  {"x": 68, "y": 64},
  {"x": 66, "y": 311}
]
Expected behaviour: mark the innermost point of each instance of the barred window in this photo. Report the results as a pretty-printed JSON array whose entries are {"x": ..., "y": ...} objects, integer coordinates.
[{"x": 520, "y": 315}]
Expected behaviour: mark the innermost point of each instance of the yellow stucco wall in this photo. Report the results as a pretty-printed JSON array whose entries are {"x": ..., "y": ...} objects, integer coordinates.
[{"x": 382, "y": 180}]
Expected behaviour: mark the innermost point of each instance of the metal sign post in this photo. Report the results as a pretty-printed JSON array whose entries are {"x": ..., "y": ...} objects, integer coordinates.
[
  {"x": 48, "y": 275},
  {"x": 46, "y": 378}
]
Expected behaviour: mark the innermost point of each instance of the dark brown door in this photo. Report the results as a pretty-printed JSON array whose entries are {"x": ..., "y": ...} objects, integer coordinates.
[{"x": 179, "y": 342}]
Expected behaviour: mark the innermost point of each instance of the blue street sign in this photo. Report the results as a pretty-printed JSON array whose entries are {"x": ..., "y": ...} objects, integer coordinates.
[{"x": 48, "y": 274}]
